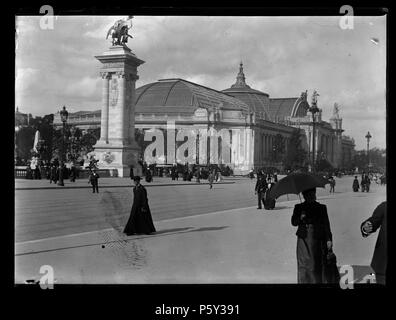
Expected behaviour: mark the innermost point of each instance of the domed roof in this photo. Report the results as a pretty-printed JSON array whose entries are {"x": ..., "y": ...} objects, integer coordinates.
[
  {"x": 257, "y": 100},
  {"x": 182, "y": 96}
]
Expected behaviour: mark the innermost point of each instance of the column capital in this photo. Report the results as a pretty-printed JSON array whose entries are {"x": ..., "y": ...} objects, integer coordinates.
[
  {"x": 105, "y": 74},
  {"x": 121, "y": 74}
]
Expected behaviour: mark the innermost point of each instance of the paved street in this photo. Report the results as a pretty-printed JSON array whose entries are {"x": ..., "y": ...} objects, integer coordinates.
[
  {"x": 42, "y": 213},
  {"x": 203, "y": 235}
]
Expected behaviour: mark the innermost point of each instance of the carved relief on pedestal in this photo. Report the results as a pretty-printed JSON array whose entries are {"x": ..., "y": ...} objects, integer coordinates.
[
  {"x": 113, "y": 92},
  {"x": 108, "y": 157}
]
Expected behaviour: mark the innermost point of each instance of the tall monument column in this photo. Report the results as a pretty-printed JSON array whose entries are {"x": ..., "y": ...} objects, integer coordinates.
[
  {"x": 104, "y": 121},
  {"x": 117, "y": 149}
]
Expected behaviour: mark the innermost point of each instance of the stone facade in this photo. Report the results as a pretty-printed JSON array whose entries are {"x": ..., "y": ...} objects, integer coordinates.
[{"x": 252, "y": 119}]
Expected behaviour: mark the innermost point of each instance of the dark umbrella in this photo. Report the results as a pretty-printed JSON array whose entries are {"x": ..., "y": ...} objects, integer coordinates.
[{"x": 296, "y": 183}]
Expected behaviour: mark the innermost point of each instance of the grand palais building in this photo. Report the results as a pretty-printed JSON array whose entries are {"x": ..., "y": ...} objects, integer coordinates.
[{"x": 254, "y": 120}]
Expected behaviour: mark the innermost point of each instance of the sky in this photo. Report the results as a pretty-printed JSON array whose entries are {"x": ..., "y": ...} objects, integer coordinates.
[{"x": 282, "y": 56}]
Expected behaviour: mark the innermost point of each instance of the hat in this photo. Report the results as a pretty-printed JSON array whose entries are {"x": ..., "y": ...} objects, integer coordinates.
[
  {"x": 308, "y": 191},
  {"x": 136, "y": 178}
]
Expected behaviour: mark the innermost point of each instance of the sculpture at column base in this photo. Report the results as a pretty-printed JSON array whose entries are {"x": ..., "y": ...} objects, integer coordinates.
[{"x": 117, "y": 159}]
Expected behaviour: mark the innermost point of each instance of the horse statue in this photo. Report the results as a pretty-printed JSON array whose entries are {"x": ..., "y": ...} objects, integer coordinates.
[{"x": 119, "y": 32}]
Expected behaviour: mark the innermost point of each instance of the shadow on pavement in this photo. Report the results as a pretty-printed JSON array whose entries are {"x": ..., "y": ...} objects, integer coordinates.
[
  {"x": 281, "y": 207},
  {"x": 172, "y": 230},
  {"x": 209, "y": 229}
]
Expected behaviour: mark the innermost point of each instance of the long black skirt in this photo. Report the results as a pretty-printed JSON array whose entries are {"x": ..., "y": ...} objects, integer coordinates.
[
  {"x": 310, "y": 258},
  {"x": 139, "y": 222}
]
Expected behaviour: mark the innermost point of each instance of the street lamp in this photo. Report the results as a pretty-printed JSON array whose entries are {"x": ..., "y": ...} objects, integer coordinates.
[
  {"x": 368, "y": 137},
  {"x": 63, "y": 114},
  {"x": 17, "y": 128},
  {"x": 72, "y": 143},
  {"x": 313, "y": 109}
]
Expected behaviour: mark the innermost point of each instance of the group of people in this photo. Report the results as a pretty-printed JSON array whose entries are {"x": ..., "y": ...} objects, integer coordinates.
[
  {"x": 364, "y": 184},
  {"x": 264, "y": 184}
]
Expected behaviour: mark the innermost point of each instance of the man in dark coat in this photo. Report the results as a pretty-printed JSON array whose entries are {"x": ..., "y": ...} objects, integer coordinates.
[
  {"x": 380, "y": 257},
  {"x": 140, "y": 220},
  {"x": 54, "y": 174},
  {"x": 93, "y": 179},
  {"x": 355, "y": 184},
  {"x": 259, "y": 189}
]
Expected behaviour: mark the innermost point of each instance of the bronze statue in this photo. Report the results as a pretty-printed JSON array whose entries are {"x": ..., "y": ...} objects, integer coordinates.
[
  {"x": 315, "y": 95},
  {"x": 336, "y": 109},
  {"x": 119, "y": 32}
]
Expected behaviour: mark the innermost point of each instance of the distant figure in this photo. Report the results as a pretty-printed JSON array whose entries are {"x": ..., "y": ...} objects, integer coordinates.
[
  {"x": 131, "y": 173},
  {"x": 332, "y": 184},
  {"x": 73, "y": 174},
  {"x": 275, "y": 178},
  {"x": 198, "y": 180},
  {"x": 140, "y": 220},
  {"x": 380, "y": 257},
  {"x": 149, "y": 177},
  {"x": 314, "y": 238},
  {"x": 269, "y": 203},
  {"x": 93, "y": 179},
  {"x": 260, "y": 189},
  {"x": 54, "y": 174},
  {"x": 355, "y": 185},
  {"x": 211, "y": 178}
]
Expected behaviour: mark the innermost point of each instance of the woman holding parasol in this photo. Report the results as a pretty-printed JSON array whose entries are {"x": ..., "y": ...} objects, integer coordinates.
[{"x": 316, "y": 263}]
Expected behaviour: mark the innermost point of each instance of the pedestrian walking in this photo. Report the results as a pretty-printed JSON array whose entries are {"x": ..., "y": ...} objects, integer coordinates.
[
  {"x": 332, "y": 184},
  {"x": 211, "y": 178},
  {"x": 73, "y": 174},
  {"x": 54, "y": 174},
  {"x": 269, "y": 202},
  {"x": 93, "y": 180},
  {"x": 260, "y": 189},
  {"x": 140, "y": 220},
  {"x": 149, "y": 177},
  {"x": 380, "y": 257},
  {"x": 314, "y": 238},
  {"x": 355, "y": 185},
  {"x": 198, "y": 180}
]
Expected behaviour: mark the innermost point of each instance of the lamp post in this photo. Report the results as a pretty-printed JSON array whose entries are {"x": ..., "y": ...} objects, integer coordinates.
[
  {"x": 63, "y": 114},
  {"x": 313, "y": 109},
  {"x": 368, "y": 137},
  {"x": 72, "y": 143},
  {"x": 17, "y": 128}
]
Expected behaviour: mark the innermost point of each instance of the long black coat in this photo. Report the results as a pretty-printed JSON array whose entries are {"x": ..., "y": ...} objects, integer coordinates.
[
  {"x": 378, "y": 219},
  {"x": 316, "y": 214},
  {"x": 140, "y": 220}
]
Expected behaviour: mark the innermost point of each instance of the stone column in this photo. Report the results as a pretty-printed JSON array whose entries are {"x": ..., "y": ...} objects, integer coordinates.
[
  {"x": 104, "y": 122},
  {"x": 121, "y": 106}
]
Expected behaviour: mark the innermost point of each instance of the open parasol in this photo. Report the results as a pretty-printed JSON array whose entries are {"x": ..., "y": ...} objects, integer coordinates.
[{"x": 296, "y": 183}]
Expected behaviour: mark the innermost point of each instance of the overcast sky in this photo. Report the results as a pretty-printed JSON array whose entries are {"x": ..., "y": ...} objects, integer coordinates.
[{"x": 282, "y": 56}]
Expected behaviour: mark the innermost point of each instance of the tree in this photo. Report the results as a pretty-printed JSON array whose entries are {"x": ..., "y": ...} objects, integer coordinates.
[
  {"x": 24, "y": 141},
  {"x": 296, "y": 155}
]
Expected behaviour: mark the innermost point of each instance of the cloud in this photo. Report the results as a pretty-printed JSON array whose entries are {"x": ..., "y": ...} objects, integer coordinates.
[{"x": 84, "y": 88}]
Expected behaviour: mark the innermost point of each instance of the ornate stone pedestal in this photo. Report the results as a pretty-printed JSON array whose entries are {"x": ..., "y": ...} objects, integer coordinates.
[{"x": 116, "y": 148}]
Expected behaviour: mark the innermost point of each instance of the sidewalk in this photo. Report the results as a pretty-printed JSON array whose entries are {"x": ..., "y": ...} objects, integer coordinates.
[
  {"x": 234, "y": 246},
  {"x": 108, "y": 182}
]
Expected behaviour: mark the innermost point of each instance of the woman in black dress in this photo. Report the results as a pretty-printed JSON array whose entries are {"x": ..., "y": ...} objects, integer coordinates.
[
  {"x": 140, "y": 220},
  {"x": 314, "y": 238}
]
